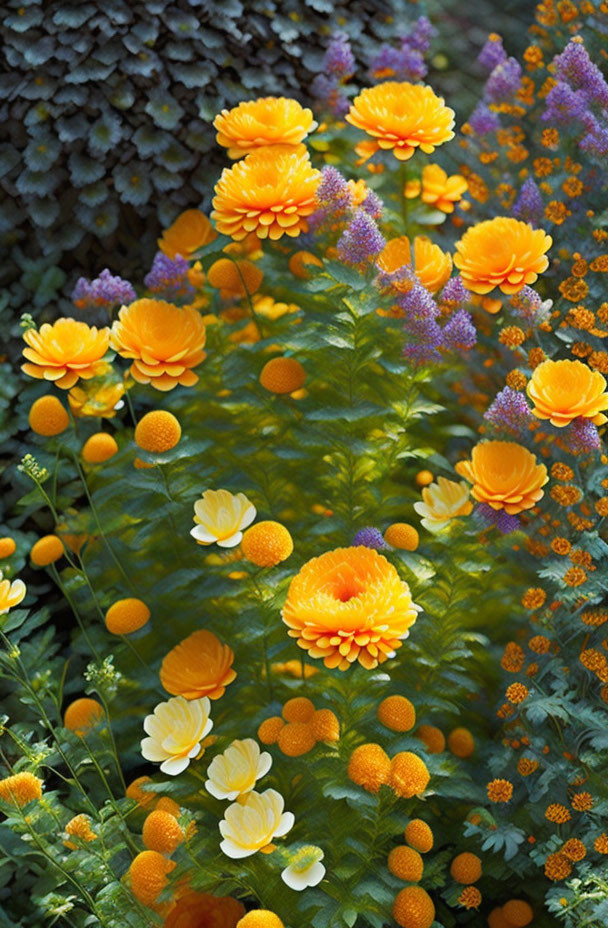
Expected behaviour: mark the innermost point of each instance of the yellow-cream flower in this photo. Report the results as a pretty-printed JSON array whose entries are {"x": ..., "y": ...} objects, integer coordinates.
[
  {"x": 234, "y": 773},
  {"x": 220, "y": 518},
  {"x": 258, "y": 123},
  {"x": 11, "y": 594},
  {"x": 305, "y": 868},
  {"x": 442, "y": 502},
  {"x": 251, "y": 825},
  {"x": 175, "y": 732}
]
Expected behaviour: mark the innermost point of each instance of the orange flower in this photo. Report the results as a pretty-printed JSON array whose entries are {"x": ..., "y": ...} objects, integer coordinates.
[
  {"x": 501, "y": 252},
  {"x": 504, "y": 475},
  {"x": 198, "y": 666},
  {"x": 195, "y": 910},
  {"x": 432, "y": 265},
  {"x": 64, "y": 351},
  {"x": 347, "y": 605},
  {"x": 164, "y": 341},
  {"x": 190, "y": 231},
  {"x": 402, "y": 117},
  {"x": 270, "y": 192},
  {"x": 436, "y": 188},
  {"x": 258, "y": 123},
  {"x": 564, "y": 390}
]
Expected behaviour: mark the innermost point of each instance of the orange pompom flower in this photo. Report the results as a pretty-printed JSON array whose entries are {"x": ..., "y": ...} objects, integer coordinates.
[
  {"x": 271, "y": 192},
  {"x": 99, "y": 447},
  {"x": 8, "y": 546},
  {"x": 21, "y": 788},
  {"x": 413, "y": 908},
  {"x": 82, "y": 715},
  {"x": 47, "y": 416},
  {"x": 436, "y": 188},
  {"x": 501, "y": 252},
  {"x": 234, "y": 278},
  {"x": 282, "y": 375},
  {"x": 198, "y": 666},
  {"x": 64, "y": 351},
  {"x": 197, "y": 910},
  {"x": 162, "y": 832},
  {"x": 79, "y": 827},
  {"x": 369, "y": 766},
  {"x": 164, "y": 341},
  {"x": 266, "y": 544},
  {"x": 148, "y": 876},
  {"x": 431, "y": 265},
  {"x": 47, "y": 550},
  {"x": 566, "y": 390},
  {"x": 259, "y": 123},
  {"x": 419, "y": 835},
  {"x": 126, "y": 616},
  {"x": 409, "y": 775},
  {"x": 401, "y": 117},
  {"x": 157, "y": 431},
  {"x": 349, "y": 604},
  {"x": 190, "y": 231},
  {"x": 505, "y": 475}
]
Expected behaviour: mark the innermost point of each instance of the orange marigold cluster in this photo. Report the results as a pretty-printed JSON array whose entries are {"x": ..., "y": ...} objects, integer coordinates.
[{"x": 300, "y": 728}]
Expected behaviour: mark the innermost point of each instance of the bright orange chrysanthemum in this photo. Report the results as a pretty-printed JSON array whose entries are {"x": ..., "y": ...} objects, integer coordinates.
[
  {"x": 270, "y": 192},
  {"x": 436, "y": 188},
  {"x": 347, "y": 605},
  {"x": 196, "y": 910},
  {"x": 64, "y": 351},
  {"x": 402, "y": 117},
  {"x": 564, "y": 390},
  {"x": 504, "y": 475},
  {"x": 190, "y": 231},
  {"x": 432, "y": 265},
  {"x": 501, "y": 252},
  {"x": 164, "y": 341},
  {"x": 198, "y": 666},
  {"x": 258, "y": 123}
]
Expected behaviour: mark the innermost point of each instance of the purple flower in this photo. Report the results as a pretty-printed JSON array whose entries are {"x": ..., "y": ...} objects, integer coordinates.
[
  {"x": 373, "y": 205},
  {"x": 459, "y": 333},
  {"x": 503, "y": 82},
  {"x": 328, "y": 91},
  {"x": 596, "y": 139},
  {"x": 492, "y": 53},
  {"x": 104, "y": 291},
  {"x": 420, "y": 38},
  {"x": 563, "y": 104},
  {"x": 370, "y": 537},
  {"x": 361, "y": 240},
  {"x": 576, "y": 68},
  {"x": 483, "y": 121},
  {"x": 529, "y": 204},
  {"x": 168, "y": 278},
  {"x": 498, "y": 518},
  {"x": 455, "y": 291},
  {"x": 339, "y": 59},
  {"x": 509, "y": 412},
  {"x": 402, "y": 64},
  {"x": 333, "y": 192},
  {"x": 528, "y": 305},
  {"x": 582, "y": 436}
]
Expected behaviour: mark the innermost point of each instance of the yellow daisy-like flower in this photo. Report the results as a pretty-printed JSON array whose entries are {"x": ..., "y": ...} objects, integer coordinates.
[
  {"x": 220, "y": 518},
  {"x": 175, "y": 732},
  {"x": 431, "y": 265},
  {"x": 251, "y": 825},
  {"x": 566, "y": 390},
  {"x": 501, "y": 252},
  {"x": 200, "y": 665},
  {"x": 164, "y": 341},
  {"x": 402, "y": 117},
  {"x": 270, "y": 192},
  {"x": 190, "y": 231},
  {"x": 347, "y": 605},
  {"x": 234, "y": 773},
  {"x": 259, "y": 123},
  {"x": 64, "y": 351},
  {"x": 505, "y": 475},
  {"x": 442, "y": 502},
  {"x": 11, "y": 594},
  {"x": 436, "y": 188}
]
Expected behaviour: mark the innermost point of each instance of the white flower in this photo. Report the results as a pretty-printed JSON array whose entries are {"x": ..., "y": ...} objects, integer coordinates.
[
  {"x": 176, "y": 730},
  {"x": 11, "y": 594},
  {"x": 251, "y": 824},
  {"x": 235, "y": 772},
  {"x": 443, "y": 501},
  {"x": 220, "y": 517},
  {"x": 305, "y": 868}
]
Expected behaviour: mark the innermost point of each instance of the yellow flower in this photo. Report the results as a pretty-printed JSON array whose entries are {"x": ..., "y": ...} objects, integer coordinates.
[
  {"x": 102, "y": 395},
  {"x": 272, "y": 309},
  {"x": 11, "y": 594},
  {"x": 64, "y": 351},
  {"x": 220, "y": 518},
  {"x": 164, "y": 341},
  {"x": 200, "y": 665},
  {"x": 564, "y": 390},
  {"x": 251, "y": 825},
  {"x": 349, "y": 604},
  {"x": 190, "y": 231},
  {"x": 504, "y": 475},
  {"x": 234, "y": 773},
  {"x": 501, "y": 252},
  {"x": 175, "y": 732},
  {"x": 258, "y": 123},
  {"x": 431, "y": 265},
  {"x": 79, "y": 827},
  {"x": 436, "y": 188},
  {"x": 21, "y": 788},
  {"x": 270, "y": 192},
  {"x": 402, "y": 117},
  {"x": 305, "y": 868},
  {"x": 442, "y": 502}
]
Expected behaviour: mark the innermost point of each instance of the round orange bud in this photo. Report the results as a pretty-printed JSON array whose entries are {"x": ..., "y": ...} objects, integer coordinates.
[
  {"x": 266, "y": 544},
  {"x": 166, "y": 804},
  {"x": 397, "y": 713},
  {"x": 296, "y": 738},
  {"x": 413, "y": 908},
  {"x": 433, "y": 738},
  {"x": 99, "y": 447},
  {"x": 47, "y": 416},
  {"x": 148, "y": 876},
  {"x": 7, "y": 547},
  {"x": 325, "y": 726},
  {"x": 82, "y": 715},
  {"x": 142, "y": 797},
  {"x": 419, "y": 835},
  {"x": 282, "y": 375},
  {"x": 408, "y": 775},
  {"x": 161, "y": 832},
  {"x": 518, "y": 913},
  {"x": 497, "y": 920},
  {"x": 235, "y": 279},
  {"x": 260, "y": 918},
  {"x": 298, "y": 709},
  {"x": 461, "y": 742},
  {"x": 126, "y": 616},
  {"x": 402, "y": 536},
  {"x": 47, "y": 550},
  {"x": 300, "y": 261},
  {"x": 369, "y": 766},
  {"x": 268, "y": 732},
  {"x": 157, "y": 431},
  {"x": 424, "y": 477},
  {"x": 466, "y": 868},
  {"x": 405, "y": 863}
]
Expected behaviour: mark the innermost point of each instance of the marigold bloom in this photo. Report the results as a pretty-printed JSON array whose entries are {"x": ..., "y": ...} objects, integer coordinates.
[
  {"x": 431, "y": 265},
  {"x": 148, "y": 876},
  {"x": 157, "y": 431},
  {"x": 441, "y": 502},
  {"x": 161, "y": 832},
  {"x": 7, "y": 547},
  {"x": 574, "y": 849},
  {"x": 21, "y": 788},
  {"x": 266, "y": 544},
  {"x": 99, "y": 447},
  {"x": 516, "y": 693},
  {"x": 64, "y": 351},
  {"x": 220, "y": 518},
  {"x": 197, "y": 910},
  {"x": 126, "y": 616},
  {"x": 175, "y": 731},
  {"x": 461, "y": 742},
  {"x": 405, "y": 863},
  {"x": 601, "y": 844},
  {"x": 325, "y": 726},
  {"x": 82, "y": 715},
  {"x": 282, "y": 375},
  {"x": 349, "y": 604},
  {"x": 251, "y": 824},
  {"x": 432, "y": 738},
  {"x": 518, "y": 913},
  {"x": 436, "y": 188},
  {"x": 189, "y": 232},
  {"x": 582, "y": 802},
  {"x": 47, "y": 416},
  {"x": 566, "y": 390},
  {"x": 236, "y": 772},
  {"x": 200, "y": 665},
  {"x": 470, "y": 897},
  {"x": 369, "y": 766},
  {"x": 397, "y": 713},
  {"x": 401, "y": 117},
  {"x": 409, "y": 775},
  {"x": 505, "y": 475},
  {"x": 557, "y": 867},
  {"x": 419, "y": 835},
  {"x": 79, "y": 827},
  {"x": 271, "y": 192},
  {"x": 402, "y": 536},
  {"x": 413, "y": 908},
  {"x": 258, "y": 123},
  {"x": 466, "y": 868},
  {"x": 164, "y": 341},
  {"x": 260, "y": 918},
  {"x": 500, "y": 791},
  {"x": 501, "y": 252},
  {"x": 296, "y": 738},
  {"x": 11, "y": 594}
]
